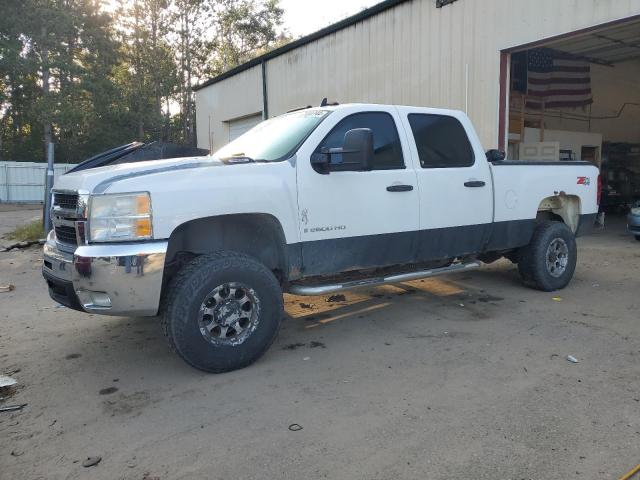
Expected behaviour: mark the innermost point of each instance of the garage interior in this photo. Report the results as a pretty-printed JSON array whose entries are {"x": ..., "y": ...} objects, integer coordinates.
[{"x": 577, "y": 97}]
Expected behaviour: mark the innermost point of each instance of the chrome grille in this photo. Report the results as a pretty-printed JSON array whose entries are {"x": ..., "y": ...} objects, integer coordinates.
[
  {"x": 66, "y": 234},
  {"x": 67, "y": 201},
  {"x": 67, "y": 213}
]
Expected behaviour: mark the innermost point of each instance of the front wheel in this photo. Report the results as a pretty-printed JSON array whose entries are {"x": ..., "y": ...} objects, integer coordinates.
[
  {"x": 638, "y": 238},
  {"x": 222, "y": 311},
  {"x": 549, "y": 261}
]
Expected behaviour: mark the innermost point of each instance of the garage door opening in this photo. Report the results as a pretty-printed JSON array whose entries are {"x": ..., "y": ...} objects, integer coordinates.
[
  {"x": 577, "y": 97},
  {"x": 240, "y": 126}
]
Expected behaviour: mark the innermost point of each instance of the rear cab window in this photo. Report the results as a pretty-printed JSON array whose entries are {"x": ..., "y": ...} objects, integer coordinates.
[{"x": 441, "y": 141}]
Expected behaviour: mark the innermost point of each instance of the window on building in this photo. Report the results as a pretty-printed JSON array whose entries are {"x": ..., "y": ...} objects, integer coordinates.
[
  {"x": 441, "y": 141},
  {"x": 386, "y": 142}
]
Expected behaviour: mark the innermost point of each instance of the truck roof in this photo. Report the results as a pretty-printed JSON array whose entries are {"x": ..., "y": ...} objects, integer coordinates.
[{"x": 365, "y": 106}]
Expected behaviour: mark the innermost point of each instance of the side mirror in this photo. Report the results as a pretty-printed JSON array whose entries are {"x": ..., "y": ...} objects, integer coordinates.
[
  {"x": 495, "y": 156},
  {"x": 356, "y": 154}
]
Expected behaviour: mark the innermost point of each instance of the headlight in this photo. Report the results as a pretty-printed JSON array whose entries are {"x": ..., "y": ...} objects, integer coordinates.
[
  {"x": 120, "y": 217},
  {"x": 635, "y": 211}
]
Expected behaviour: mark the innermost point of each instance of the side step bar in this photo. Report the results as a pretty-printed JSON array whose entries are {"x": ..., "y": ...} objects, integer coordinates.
[{"x": 375, "y": 281}]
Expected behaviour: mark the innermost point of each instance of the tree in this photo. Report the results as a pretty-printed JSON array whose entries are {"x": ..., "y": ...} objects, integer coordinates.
[
  {"x": 147, "y": 72},
  {"x": 59, "y": 54},
  {"x": 189, "y": 46},
  {"x": 19, "y": 89},
  {"x": 90, "y": 78},
  {"x": 213, "y": 36},
  {"x": 243, "y": 29}
]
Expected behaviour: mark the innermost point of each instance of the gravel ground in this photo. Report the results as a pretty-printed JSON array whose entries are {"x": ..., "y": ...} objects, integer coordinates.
[{"x": 459, "y": 377}]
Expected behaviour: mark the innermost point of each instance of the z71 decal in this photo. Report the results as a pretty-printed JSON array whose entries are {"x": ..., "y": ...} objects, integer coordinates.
[{"x": 584, "y": 181}]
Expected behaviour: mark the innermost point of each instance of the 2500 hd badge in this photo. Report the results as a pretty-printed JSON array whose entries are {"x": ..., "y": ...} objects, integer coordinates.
[{"x": 325, "y": 229}]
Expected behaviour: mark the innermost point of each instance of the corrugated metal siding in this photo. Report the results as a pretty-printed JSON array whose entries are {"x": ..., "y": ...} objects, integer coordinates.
[
  {"x": 24, "y": 181},
  {"x": 413, "y": 54},
  {"x": 242, "y": 126},
  {"x": 216, "y": 107}
]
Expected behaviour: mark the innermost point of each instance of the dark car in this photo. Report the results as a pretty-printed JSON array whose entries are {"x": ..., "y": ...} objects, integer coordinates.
[
  {"x": 633, "y": 220},
  {"x": 139, "y": 152}
]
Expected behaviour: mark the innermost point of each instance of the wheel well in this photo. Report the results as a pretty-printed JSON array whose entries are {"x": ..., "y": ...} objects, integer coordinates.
[
  {"x": 564, "y": 208},
  {"x": 257, "y": 235}
]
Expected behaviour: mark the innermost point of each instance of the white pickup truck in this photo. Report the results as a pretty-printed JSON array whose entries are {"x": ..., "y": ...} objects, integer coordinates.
[{"x": 311, "y": 202}]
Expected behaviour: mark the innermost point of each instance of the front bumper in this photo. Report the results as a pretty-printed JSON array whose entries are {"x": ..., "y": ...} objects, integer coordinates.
[{"x": 108, "y": 279}]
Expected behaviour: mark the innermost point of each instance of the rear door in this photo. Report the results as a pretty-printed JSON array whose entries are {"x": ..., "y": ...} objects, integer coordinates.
[
  {"x": 356, "y": 220},
  {"x": 454, "y": 182}
]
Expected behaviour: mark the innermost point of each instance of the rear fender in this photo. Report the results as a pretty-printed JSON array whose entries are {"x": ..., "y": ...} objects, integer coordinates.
[{"x": 566, "y": 207}]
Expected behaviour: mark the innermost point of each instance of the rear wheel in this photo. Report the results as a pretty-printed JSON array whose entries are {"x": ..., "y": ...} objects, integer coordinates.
[
  {"x": 222, "y": 311},
  {"x": 549, "y": 261}
]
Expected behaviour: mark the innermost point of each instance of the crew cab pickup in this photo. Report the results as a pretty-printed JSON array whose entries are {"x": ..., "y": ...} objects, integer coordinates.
[{"x": 311, "y": 202}]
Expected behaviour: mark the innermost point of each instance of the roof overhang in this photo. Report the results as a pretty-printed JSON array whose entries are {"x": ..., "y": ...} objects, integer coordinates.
[{"x": 606, "y": 44}]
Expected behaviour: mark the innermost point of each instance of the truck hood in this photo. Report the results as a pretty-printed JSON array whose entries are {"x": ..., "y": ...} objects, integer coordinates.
[
  {"x": 99, "y": 180},
  {"x": 192, "y": 188}
]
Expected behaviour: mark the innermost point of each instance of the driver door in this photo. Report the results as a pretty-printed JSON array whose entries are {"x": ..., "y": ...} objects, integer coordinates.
[{"x": 353, "y": 220}]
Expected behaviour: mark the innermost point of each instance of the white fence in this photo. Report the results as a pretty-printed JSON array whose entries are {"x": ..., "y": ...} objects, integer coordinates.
[{"x": 23, "y": 182}]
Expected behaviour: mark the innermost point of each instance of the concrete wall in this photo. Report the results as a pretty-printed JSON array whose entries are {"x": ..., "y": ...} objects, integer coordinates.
[{"x": 413, "y": 54}]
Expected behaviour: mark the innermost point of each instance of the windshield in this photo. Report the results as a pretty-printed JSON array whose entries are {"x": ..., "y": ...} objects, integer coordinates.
[{"x": 275, "y": 139}]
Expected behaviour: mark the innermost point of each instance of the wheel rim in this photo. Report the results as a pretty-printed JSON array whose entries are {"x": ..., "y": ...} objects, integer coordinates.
[
  {"x": 229, "y": 314},
  {"x": 557, "y": 257}
]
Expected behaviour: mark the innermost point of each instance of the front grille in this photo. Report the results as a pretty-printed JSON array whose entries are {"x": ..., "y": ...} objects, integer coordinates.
[
  {"x": 66, "y": 234},
  {"x": 68, "y": 201}
]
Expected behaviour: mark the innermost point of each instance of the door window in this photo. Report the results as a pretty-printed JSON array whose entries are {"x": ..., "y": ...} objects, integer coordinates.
[
  {"x": 386, "y": 142},
  {"x": 441, "y": 141}
]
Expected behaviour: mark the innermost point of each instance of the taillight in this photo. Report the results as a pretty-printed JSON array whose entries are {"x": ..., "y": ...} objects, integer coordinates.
[{"x": 599, "y": 188}]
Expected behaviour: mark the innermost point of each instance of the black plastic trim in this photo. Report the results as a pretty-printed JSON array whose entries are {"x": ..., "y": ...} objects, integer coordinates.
[
  {"x": 475, "y": 184},
  {"x": 573, "y": 163},
  {"x": 586, "y": 224},
  {"x": 509, "y": 235},
  {"x": 400, "y": 188},
  {"x": 62, "y": 291},
  {"x": 331, "y": 256},
  {"x": 337, "y": 255}
]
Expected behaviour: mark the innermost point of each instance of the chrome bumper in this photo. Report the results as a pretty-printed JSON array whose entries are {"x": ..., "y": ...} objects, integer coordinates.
[{"x": 109, "y": 279}]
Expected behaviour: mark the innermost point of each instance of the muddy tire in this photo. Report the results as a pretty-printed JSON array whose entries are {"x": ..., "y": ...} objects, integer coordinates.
[
  {"x": 222, "y": 311},
  {"x": 549, "y": 261}
]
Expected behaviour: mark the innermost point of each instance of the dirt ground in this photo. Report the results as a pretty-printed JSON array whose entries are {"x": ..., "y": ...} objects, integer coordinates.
[
  {"x": 459, "y": 377},
  {"x": 12, "y": 216}
]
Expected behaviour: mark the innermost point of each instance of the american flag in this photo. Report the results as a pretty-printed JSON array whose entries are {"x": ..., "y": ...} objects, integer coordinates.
[{"x": 555, "y": 80}]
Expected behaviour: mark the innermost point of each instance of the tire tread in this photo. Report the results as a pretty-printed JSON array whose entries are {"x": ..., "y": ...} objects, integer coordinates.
[
  {"x": 531, "y": 264},
  {"x": 195, "y": 273}
]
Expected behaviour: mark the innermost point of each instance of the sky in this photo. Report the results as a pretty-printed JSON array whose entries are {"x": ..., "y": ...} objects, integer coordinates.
[{"x": 303, "y": 17}]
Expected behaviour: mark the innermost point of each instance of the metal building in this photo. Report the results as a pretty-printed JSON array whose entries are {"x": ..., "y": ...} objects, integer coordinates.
[{"x": 445, "y": 53}]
